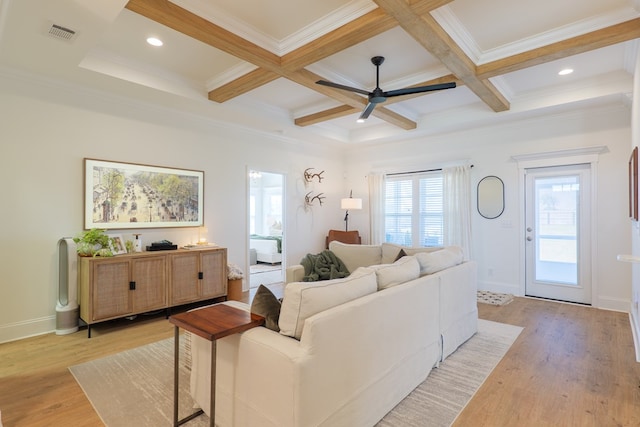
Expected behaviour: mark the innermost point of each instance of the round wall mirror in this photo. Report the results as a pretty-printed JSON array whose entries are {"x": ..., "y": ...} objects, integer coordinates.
[{"x": 490, "y": 197}]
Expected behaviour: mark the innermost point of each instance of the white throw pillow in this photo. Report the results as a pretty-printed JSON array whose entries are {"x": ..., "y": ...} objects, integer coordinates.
[
  {"x": 390, "y": 252},
  {"x": 403, "y": 270},
  {"x": 304, "y": 299},
  {"x": 432, "y": 262},
  {"x": 354, "y": 256}
]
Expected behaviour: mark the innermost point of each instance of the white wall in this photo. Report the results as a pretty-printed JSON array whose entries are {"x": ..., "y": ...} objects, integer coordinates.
[
  {"x": 635, "y": 227},
  {"x": 497, "y": 244},
  {"x": 45, "y": 132}
]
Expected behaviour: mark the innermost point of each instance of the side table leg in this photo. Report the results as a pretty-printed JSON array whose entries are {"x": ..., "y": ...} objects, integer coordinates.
[
  {"x": 176, "y": 374},
  {"x": 212, "y": 403}
]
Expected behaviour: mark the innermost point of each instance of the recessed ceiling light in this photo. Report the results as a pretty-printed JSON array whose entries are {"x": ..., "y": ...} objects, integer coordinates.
[
  {"x": 360, "y": 120},
  {"x": 153, "y": 41},
  {"x": 566, "y": 71}
]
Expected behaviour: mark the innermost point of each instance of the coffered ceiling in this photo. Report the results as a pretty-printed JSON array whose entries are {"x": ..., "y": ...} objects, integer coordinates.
[{"x": 255, "y": 63}]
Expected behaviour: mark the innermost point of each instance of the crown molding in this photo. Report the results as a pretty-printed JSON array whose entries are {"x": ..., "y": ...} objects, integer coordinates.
[
  {"x": 229, "y": 75},
  {"x": 335, "y": 19},
  {"x": 454, "y": 27}
]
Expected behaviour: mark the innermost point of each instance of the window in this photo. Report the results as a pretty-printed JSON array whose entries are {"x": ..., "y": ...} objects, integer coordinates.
[{"x": 413, "y": 209}]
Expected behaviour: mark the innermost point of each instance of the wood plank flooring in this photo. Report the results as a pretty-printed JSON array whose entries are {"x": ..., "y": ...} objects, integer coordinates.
[{"x": 571, "y": 366}]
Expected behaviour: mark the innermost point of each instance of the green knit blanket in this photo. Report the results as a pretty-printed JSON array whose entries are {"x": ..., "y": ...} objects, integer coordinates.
[{"x": 323, "y": 266}]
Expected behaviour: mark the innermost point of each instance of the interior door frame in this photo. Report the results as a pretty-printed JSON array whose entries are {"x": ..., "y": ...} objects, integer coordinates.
[
  {"x": 588, "y": 155},
  {"x": 580, "y": 292},
  {"x": 247, "y": 263}
]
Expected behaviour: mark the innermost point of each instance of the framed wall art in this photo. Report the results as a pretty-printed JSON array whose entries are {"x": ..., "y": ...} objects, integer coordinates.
[{"x": 128, "y": 195}]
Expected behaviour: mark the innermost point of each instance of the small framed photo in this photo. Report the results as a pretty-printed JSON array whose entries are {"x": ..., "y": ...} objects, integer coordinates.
[{"x": 117, "y": 244}]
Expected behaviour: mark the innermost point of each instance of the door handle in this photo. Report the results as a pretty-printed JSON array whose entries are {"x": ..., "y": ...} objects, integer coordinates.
[
  {"x": 529, "y": 238},
  {"x": 529, "y": 229}
]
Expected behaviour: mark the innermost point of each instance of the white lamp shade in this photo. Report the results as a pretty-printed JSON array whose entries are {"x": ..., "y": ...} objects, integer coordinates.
[{"x": 351, "y": 203}]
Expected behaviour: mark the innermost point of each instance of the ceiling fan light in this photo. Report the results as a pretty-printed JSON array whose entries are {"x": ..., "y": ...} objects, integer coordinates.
[{"x": 360, "y": 120}]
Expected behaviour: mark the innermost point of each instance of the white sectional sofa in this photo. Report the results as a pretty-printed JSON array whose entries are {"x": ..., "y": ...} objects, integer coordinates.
[{"x": 348, "y": 350}]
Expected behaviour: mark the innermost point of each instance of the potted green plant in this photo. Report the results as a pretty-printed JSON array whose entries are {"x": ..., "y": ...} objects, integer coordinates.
[{"x": 94, "y": 242}]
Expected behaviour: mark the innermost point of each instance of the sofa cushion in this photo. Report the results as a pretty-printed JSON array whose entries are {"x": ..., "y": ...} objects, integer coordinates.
[
  {"x": 304, "y": 299},
  {"x": 432, "y": 262},
  {"x": 403, "y": 270},
  {"x": 354, "y": 256},
  {"x": 420, "y": 250},
  {"x": 266, "y": 304},
  {"x": 391, "y": 251}
]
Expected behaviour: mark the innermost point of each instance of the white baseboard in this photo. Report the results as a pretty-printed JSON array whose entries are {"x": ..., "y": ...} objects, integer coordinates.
[
  {"x": 28, "y": 328},
  {"x": 502, "y": 288},
  {"x": 635, "y": 331},
  {"x": 613, "y": 304}
]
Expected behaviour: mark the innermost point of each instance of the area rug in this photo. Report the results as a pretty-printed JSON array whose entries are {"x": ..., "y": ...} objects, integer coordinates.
[
  {"x": 494, "y": 298},
  {"x": 135, "y": 387},
  {"x": 264, "y": 268}
]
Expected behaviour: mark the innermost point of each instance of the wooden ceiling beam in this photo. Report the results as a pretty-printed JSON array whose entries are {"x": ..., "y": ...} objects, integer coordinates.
[
  {"x": 181, "y": 20},
  {"x": 604, "y": 37},
  {"x": 426, "y": 31},
  {"x": 360, "y": 29},
  {"x": 243, "y": 84},
  {"x": 170, "y": 15},
  {"x": 323, "y": 116}
]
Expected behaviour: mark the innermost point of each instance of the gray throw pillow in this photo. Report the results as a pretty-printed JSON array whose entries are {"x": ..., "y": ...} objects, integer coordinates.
[
  {"x": 401, "y": 254},
  {"x": 266, "y": 304}
]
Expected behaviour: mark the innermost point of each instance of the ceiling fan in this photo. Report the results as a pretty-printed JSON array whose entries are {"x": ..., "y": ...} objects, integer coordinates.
[{"x": 378, "y": 95}]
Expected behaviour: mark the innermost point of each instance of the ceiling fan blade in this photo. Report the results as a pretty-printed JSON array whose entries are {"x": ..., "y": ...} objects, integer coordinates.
[
  {"x": 367, "y": 111},
  {"x": 343, "y": 87},
  {"x": 419, "y": 89}
]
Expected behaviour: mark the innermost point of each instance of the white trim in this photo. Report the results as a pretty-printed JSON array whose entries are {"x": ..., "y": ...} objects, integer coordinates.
[
  {"x": 546, "y": 158},
  {"x": 335, "y": 19},
  {"x": 588, "y": 155},
  {"x": 28, "y": 328},
  {"x": 635, "y": 332}
]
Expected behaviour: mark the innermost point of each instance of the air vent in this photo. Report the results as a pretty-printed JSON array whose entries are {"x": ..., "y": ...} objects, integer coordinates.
[{"x": 62, "y": 33}]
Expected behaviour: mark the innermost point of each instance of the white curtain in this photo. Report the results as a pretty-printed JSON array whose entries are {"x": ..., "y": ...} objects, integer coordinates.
[
  {"x": 376, "y": 208},
  {"x": 457, "y": 207}
]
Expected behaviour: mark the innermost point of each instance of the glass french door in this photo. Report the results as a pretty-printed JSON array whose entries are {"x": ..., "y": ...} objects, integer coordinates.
[{"x": 557, "y": 247}]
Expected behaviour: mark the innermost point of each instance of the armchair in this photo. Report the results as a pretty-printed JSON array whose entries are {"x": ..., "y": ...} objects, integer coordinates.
[{"x": 351, "y": 237}]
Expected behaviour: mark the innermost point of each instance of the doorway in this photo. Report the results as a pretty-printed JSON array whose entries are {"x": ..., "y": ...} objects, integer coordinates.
[
  {"x": 266, "y": 228},
  {"x": 557, "y": 233}
]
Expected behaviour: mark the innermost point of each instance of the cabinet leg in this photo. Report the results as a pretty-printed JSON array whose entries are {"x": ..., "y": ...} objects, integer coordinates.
[{"x": 88, "y": 331}]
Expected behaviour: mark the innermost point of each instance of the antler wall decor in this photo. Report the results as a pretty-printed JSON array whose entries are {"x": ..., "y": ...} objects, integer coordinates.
[
  {"x": 309, "y": 176},
  {"x": 308, "y": 198}
]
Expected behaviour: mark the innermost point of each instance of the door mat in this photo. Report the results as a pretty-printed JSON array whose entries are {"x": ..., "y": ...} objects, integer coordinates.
[{"x": 494, "y": 298}]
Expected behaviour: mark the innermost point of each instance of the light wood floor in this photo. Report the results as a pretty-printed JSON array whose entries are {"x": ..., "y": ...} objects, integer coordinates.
[{"x": 571, "y": 366}]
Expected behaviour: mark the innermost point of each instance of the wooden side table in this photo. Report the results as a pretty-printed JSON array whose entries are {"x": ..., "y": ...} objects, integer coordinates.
[{"x": 211, "y": 323}]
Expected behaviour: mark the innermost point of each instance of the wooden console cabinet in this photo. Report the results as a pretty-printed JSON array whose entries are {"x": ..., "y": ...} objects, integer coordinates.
[{"x": 124, "y": 285}]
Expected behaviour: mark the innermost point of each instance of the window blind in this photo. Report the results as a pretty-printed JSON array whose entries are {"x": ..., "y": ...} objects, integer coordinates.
[{"x": 413, "y": 209}]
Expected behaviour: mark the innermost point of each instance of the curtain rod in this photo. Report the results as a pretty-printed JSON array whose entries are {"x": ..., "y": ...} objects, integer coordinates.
[{"x": 414, "y": 172}]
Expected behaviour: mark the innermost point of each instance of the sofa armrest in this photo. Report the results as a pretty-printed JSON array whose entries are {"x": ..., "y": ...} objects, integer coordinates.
[{"x": 295, "y": 273}]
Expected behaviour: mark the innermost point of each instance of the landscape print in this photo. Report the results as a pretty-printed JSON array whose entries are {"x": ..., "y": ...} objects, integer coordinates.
[{"x": 126, "y": 195}]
